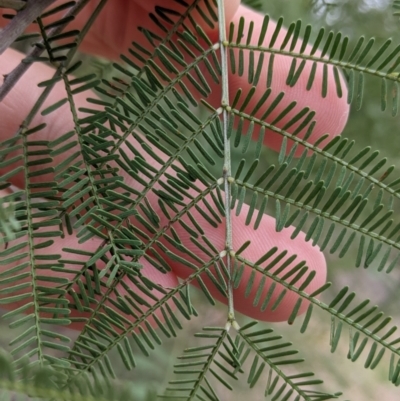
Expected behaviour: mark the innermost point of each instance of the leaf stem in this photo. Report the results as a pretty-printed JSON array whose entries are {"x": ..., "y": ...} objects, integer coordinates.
[{"x": 227, "y": 155}]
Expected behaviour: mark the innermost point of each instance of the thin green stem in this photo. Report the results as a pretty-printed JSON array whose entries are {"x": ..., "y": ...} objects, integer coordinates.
[
  {"x": 390, "y": 345},
  {"x": 320, "y": 151},
  {"x": 143, "y": 318},
  {"x": 207, "y": 365},
  {"x": 32, "y": 260}
]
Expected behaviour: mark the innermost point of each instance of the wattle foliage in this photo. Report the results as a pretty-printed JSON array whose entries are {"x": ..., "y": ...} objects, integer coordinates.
[{"x": 164, "y": 171}]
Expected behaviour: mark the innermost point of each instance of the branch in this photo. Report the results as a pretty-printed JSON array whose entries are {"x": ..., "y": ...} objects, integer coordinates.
[
  {"x": 32, "y": 10},
  {"x": 14, "y": 76}
]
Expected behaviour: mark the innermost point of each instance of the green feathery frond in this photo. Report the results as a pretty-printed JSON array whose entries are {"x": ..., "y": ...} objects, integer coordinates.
[
  {"x": 357, "y": 62},
  {"x": 361, "y": 319},
  {"x": 43, "y": 383}
]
